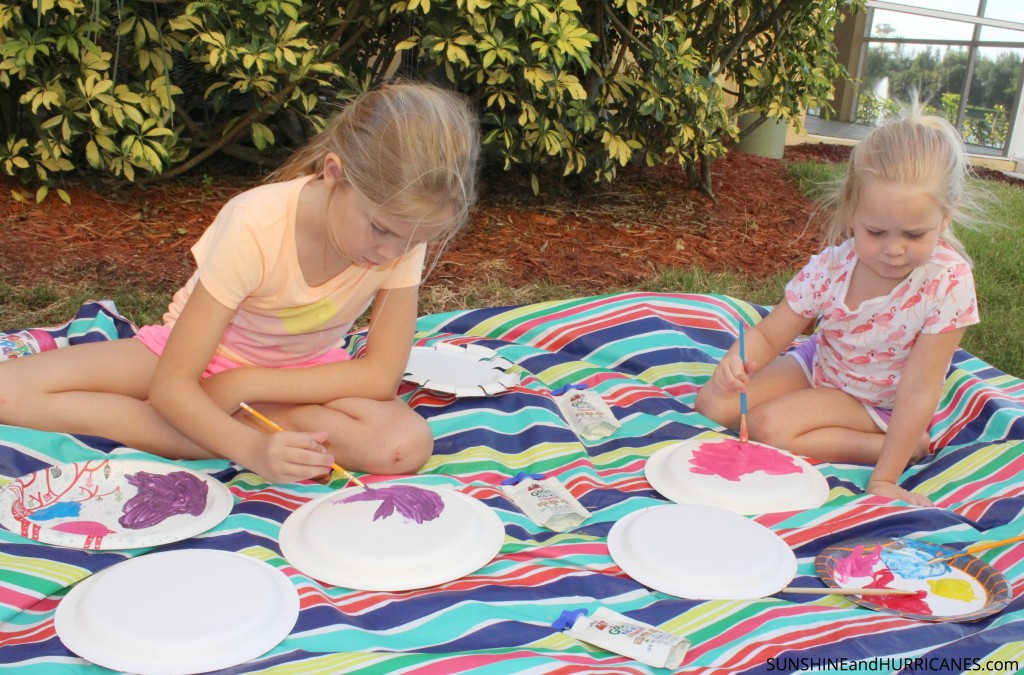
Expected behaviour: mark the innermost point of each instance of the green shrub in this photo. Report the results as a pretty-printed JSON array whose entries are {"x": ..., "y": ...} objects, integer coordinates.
[{"x": 135, "y": 89}]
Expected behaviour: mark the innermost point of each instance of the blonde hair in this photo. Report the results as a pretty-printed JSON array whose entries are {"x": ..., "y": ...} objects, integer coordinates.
[
  {"x": 411, "y": 149},
  {"x": 921, "y": 150}
]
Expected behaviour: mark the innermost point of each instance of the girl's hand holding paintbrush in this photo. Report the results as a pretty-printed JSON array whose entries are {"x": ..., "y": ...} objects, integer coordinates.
[
  {"x": 319, "y": 438},
  {"x": 732, "y": 377},
  {"x": 289, "y": 456}
]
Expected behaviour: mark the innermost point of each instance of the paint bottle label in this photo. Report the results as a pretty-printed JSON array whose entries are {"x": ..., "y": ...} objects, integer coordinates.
[
  {"x": 634, "y": 639},
  {"x": 547, "y": 503},
  {"x": 25, "y": 343},
  {"x": 587, "y": 413}
]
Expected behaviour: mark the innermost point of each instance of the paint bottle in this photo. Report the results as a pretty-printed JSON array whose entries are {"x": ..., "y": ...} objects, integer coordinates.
[
  {"x": 547, "y": 503},
  {"x": 27, "y": 342},
  {"x": 586, "y": 412},
  {"x": 619, "y": 634}
]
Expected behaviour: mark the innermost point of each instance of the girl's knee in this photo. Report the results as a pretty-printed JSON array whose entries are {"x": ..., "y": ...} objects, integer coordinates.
[
  {"x": 404, "y": 447},
  {"x": 388, "y": 439}
]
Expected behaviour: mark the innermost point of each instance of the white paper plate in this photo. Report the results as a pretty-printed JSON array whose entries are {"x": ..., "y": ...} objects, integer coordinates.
[
  {"x": 701, "y": 553},
  {"x": 465, "y": 371},
  {"x": 188, "y": 611},
  {"x": 747, "y": 478},
  {"x": 113, "y": 504},
  {"x": 361, "y": 545}
]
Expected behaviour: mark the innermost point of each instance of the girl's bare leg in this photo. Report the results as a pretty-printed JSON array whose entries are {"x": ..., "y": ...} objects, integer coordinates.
[
  {"x": 778, "y": 378},
  {"x": 823, "y": 423},
  {"x": 99, "y": 389},
  {"x": 379, "y": 437}
]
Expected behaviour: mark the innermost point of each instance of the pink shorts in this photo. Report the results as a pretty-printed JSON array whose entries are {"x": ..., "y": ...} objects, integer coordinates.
[
  {"x": 804, "y": 355},
  {"x": 155, "y": 338}
]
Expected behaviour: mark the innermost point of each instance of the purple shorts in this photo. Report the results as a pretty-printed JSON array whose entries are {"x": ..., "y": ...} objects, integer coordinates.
[
  {"x": 804, "y": 355},
  {"x": 155, "y": 338}
]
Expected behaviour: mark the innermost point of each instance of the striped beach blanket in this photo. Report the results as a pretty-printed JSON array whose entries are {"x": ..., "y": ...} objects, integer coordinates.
[{"x": 646, "y": 355}]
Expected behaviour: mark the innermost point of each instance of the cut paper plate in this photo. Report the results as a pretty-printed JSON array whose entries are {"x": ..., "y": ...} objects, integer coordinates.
[
  {"x": 961, "y": 589},
  {"x": 746, "y": 478},
  {"x": 462, "y": 370},
  {"x": 113, "y": 504},
  {"x": 701, "y": 552},
  {"x": 188, "y": 611},
  {"x": 391, "y": 537}
]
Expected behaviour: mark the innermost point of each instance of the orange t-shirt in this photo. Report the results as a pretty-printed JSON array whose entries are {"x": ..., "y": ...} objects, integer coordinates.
[{"x": 247, "y": 261}]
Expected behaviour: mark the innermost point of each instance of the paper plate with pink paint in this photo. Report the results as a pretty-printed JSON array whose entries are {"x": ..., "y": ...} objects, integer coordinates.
[
  {"x": 391, "y": 537},
  {"x": 177, "y": 612},
  {"x": 461, "y": 370},
  {"x": 747, "y": 478},
  {"x": 113, "y": 504},
  {"x": 701, "y": 552},
  {"x": 961, "y": 589}
]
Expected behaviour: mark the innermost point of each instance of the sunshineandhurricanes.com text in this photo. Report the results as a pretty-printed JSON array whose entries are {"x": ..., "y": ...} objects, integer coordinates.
[{"x": 906, "y": 664}]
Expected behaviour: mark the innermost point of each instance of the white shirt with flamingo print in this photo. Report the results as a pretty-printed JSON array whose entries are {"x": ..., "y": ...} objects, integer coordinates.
[{"x": 862, "y": 350}]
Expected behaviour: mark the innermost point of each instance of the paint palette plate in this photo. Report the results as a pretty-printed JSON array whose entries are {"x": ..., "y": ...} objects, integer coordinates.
[
  {"x": 747, "y": 478},
  {"x": 113, "y": 504},
  {"x": 187, "y": 611},
  {"x": 962, "y": 589},
  {"x": 392, "y": 537},
  {"x": 462, "y": 370},
  {"x": 701, "y": 553}
]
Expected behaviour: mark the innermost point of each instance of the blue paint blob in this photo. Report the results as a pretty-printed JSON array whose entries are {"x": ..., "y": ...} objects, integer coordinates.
[
  {"x": 57, "y": 510},
  {"x": 910, "y": 560}
]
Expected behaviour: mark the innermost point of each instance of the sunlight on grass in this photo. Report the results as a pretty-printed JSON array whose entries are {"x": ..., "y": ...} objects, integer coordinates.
[
  {"x": 998, "y": 254},
  {"x": 814, "y": 178}
]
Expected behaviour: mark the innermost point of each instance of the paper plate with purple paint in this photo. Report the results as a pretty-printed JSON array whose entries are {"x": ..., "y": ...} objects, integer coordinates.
[
  {"x": 391, "y": 537},
  {"x": 113, "y": 504},
  {"x": 176, "y": 612},
  {"x": 746, "y": 478},
  {"x": 462, "y": 370},
  {"x": 701, "y": 553},
  {"x": 961, "y": 589}
]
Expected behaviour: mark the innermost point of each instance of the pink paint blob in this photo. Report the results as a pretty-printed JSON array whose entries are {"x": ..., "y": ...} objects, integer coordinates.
[
  {"x": 412, "y": 502},
  {"x": 161, "y": 496},
  {"x": 857, "y": 564},
  {"x": 89, "y": 528},
  {"x": 731, "y": 460}
]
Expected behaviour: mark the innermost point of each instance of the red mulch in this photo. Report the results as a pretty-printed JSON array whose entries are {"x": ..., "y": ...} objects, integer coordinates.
[{"x": 605, "y": 237}]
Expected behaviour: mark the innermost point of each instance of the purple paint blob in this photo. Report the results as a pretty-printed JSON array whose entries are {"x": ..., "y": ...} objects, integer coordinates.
[
  {"x": 161, "y": 496},
  {"x": 413, "y": 502},
  {"x": 732, "y": 459}
]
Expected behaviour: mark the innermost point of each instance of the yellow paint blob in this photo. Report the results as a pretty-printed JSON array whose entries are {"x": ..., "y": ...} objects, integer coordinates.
[{"x": 956, "y": 589}]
